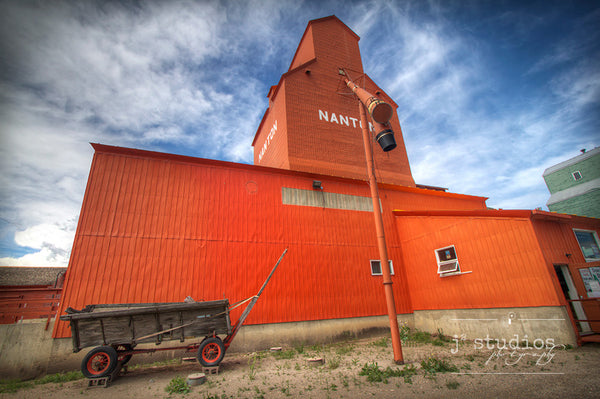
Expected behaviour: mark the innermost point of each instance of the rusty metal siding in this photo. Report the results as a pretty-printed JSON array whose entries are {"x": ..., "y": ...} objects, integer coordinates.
[{"x": 157, "y": 228}]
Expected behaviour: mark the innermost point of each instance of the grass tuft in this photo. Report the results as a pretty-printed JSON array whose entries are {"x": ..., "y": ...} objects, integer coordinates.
[
  {"x": 433, "y": 365},
  {"x": 287, "y": 354},
  {"x": 14, "y": 385},
  {"x": 178, "y": 385}
]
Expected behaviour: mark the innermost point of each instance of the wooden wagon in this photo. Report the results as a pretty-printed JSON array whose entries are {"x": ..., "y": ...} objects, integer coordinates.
[{"x": 116, "y": 329}]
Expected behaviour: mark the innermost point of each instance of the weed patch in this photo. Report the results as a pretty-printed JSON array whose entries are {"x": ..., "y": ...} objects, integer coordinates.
[
  {"x": 382, "y": 343},
  {"x": 376, "y": 374},
  {"x": 433, "y": 365},
  {"x": 299, "y": 348},
  {"x": 287, "y": 354},
  {"x": 14, "y": 385},
  {"x": 60, "y": 377},
  {"x": 178, "y": 385},
  {"x": 404, "y": 332},
  {"x": 344, "y": 349},
  {"x": 334, "y": 363}
]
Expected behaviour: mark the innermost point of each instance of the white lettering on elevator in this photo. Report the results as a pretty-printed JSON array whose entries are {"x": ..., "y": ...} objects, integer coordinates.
[
  {"x": 267, "y": 141},
  {"x": 341, "y": 119}
]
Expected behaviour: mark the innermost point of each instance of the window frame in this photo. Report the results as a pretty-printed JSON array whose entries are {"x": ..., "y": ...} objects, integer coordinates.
[
  {"x": 594, "y": 235},
  {"x": 390, "y": 262},
  {"x": 451, "y": 261},
  {"x": 578, "y": 172}
]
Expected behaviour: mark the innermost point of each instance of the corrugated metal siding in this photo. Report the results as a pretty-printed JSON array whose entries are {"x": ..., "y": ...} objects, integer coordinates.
[
  {"x": 507, "y": 265},
  {"x": 557, "y": 240},
  {"x": 157, "y": 228}
]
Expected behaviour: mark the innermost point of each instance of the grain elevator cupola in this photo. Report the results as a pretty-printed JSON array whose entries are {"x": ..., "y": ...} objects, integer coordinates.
[{"x": 312, "y": 122}]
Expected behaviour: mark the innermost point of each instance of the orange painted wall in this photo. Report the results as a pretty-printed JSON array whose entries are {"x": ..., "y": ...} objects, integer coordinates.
[
  {"x": 507, "y": 264},
  {"x": 157, "y": 227},
  {"x": 323, "y": 131}
]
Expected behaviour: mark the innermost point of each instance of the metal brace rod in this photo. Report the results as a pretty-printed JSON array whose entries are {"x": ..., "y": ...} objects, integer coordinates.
[{"x": 246, "y": 312}]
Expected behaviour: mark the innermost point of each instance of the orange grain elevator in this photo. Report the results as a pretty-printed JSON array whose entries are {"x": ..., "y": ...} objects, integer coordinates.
[{"x": 312, "y": 123}]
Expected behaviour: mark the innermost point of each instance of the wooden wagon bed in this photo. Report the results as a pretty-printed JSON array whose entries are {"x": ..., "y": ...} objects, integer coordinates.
[
  {"x": 131, "y": 324},
  {"x": 116, "y": 329}
]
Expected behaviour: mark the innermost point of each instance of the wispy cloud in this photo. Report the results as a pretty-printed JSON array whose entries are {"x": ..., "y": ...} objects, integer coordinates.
[{"x": 466, "y": 126}]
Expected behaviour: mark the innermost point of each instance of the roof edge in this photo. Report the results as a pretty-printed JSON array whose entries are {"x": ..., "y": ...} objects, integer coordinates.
[
  {"x": 109, "y": 149},
  {"x": 276, "y": 90},
  {"x": 418, "y": 190},
  {"x": 313, "y": 21},
  {"x": 571, "y": 161},
  {"x": 499, "y": 213},
  {"x": 133, "y": 152}
]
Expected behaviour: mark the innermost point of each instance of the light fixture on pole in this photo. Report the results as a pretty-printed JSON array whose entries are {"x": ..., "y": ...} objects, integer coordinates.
[{"x": 381, "y": 112}]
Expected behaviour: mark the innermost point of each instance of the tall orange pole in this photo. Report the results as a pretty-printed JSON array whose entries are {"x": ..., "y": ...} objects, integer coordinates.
[{"x": 383, "y": 255}]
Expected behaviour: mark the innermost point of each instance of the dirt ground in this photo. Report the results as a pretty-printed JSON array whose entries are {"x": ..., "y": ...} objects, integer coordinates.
[{"x": 481, "y": 369}]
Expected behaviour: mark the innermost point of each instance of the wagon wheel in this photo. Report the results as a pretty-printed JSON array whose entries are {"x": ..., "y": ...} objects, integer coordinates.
[
  {"x": 211, "y": 352},
  {"x": 123, "y": 359},
  {"x": 99, "y": 362}
]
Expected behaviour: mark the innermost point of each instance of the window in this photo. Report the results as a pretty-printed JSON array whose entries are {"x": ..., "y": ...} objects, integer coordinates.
[
  {"x": 376, "y": 267},
  {"x": 447, "y": 260},
  {"x": 588, "y": 242},
  {"x": 577, "y": 175}
]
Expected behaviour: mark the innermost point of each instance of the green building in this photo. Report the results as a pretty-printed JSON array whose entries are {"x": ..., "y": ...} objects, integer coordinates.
[{"x": 574, "y": 185}]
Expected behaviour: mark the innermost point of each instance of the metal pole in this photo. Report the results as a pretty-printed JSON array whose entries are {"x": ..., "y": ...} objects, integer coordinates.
[{"x": 383, "y": 255}]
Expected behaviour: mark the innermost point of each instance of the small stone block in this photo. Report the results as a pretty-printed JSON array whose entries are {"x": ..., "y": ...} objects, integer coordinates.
[
  {"x": 101, "y": 382},
  {"x": 316, "y": 361},
  {"x": 210, "y": 370},
  {"x": 196, "y": 379},
  {"x": 276, "y": 349},
  {"x": 188, "y": 359}
]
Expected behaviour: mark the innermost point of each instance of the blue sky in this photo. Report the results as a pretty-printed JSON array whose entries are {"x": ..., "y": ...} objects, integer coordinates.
[{"x": 504, "y": 89}]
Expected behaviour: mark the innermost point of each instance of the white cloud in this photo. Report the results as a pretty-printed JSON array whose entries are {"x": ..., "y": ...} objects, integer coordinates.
[
  {"x": 47, "y": 256},
  {"x": 45, "y": 235},
  {"x": 52, "y": 241},
  {"x": 161, "y": 73}
]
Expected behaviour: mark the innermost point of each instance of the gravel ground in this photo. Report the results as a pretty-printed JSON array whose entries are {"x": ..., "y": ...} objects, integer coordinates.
[{"x": 472, "y": 370}]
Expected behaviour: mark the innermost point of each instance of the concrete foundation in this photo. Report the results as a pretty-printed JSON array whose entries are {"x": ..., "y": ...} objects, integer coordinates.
[
  {"x": 547, "y": 322},
  {"x": 27, "y": 349}
]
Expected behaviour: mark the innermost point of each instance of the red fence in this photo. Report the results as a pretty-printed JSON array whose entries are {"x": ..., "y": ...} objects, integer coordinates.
[{"x": 19, "y": 303}]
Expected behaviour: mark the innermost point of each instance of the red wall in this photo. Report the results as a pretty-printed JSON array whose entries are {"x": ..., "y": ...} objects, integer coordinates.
[
  {"x": 158, "y": 227},
  {"x": 558, "y": 239}
]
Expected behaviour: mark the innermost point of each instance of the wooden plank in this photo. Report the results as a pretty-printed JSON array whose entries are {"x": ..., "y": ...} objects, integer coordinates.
[{"x": 208, "y": 306}]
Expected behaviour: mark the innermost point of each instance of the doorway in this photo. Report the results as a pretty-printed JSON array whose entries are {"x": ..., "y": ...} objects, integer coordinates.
[{"x": 570, "y": 292}]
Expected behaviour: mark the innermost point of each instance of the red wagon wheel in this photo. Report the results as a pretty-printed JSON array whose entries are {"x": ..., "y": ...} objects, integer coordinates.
[
  {"x": 211, "y": 352},
  {"x": 99, "y": 362}
]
